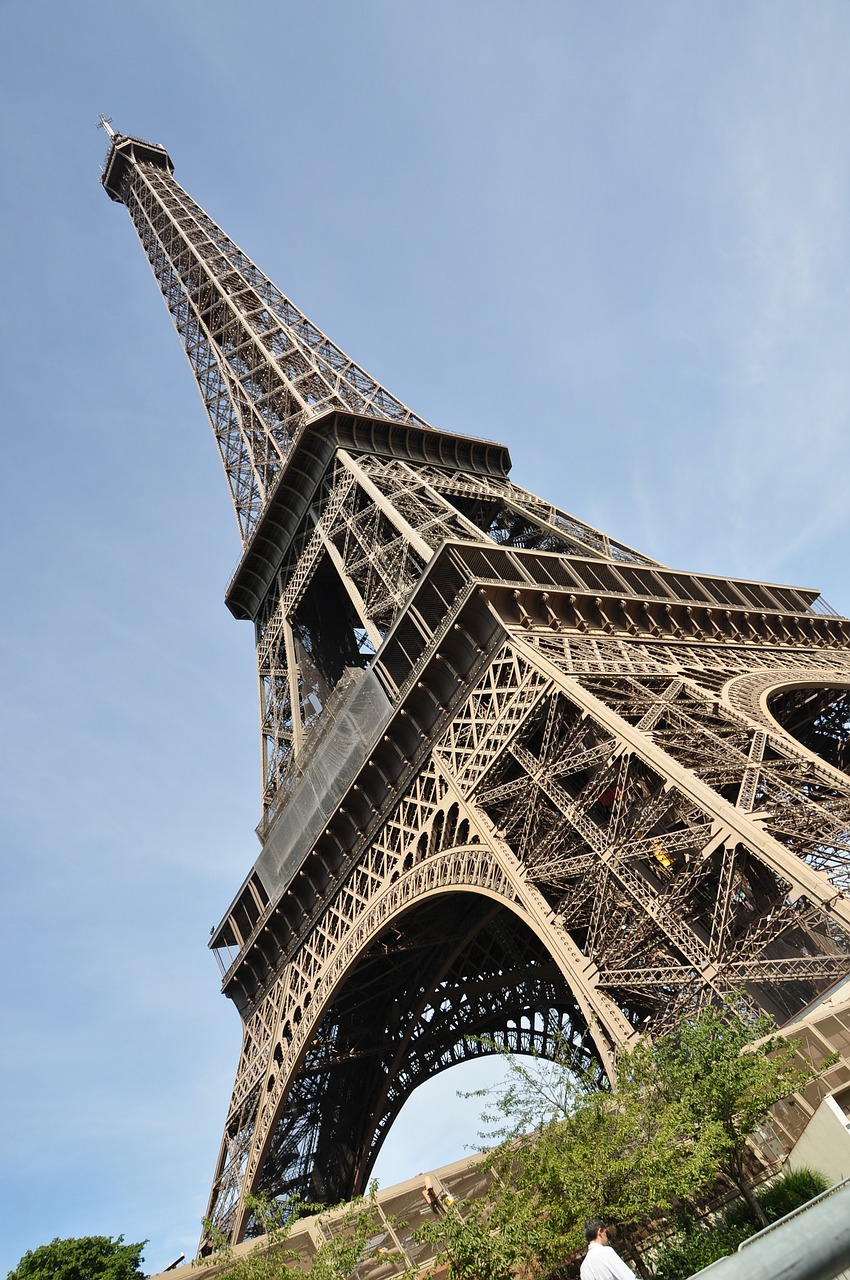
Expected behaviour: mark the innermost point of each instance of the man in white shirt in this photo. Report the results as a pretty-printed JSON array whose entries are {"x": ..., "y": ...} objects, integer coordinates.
[{"x": 601, "y": 1261}]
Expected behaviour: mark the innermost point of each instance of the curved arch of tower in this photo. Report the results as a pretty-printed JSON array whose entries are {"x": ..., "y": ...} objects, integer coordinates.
[{"x": 522, "y": 785}]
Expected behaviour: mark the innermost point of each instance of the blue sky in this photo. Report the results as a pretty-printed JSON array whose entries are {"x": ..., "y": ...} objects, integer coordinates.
[{"x": 613, "y": 236}]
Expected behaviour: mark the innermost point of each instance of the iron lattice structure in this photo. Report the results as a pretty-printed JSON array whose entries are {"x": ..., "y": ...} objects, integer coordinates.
[{"x": 520, "y": 783}]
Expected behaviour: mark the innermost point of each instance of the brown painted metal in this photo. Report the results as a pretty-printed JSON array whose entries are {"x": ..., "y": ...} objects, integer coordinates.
[{"x": 522, "y": 785}]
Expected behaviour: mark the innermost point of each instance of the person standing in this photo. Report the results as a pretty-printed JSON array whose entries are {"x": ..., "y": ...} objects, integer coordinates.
[{"x": 601, "y": 1262}]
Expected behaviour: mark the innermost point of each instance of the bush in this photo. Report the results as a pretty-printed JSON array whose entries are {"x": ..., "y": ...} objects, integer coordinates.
[
  {"x": 789, "y": 1191},
  {"x": 784, "y": 1194},
  {"x": 697, "y": 1246}
]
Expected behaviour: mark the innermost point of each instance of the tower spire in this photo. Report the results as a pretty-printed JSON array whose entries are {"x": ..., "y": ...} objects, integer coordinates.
[
  {"x": 263, "y": 368},
  {"x": 271, "y": 381}
]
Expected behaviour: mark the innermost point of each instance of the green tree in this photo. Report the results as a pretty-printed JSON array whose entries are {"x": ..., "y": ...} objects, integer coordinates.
[
  {"x": 724, "y": 1074},
  {"x": 349, "y": 1241},
  {"x": 269, "y": 1259},
  {"x": 680, "y": 1112},
  {"x": 624, "y": 1155},
  {"x": 349, "y": 1232},
  {"x": 492, "y": 1239},
  {"x": 88, "y": 1258}
]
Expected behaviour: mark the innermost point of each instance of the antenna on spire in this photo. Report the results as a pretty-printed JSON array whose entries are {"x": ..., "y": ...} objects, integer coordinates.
[{"x": 105, "y": 122}]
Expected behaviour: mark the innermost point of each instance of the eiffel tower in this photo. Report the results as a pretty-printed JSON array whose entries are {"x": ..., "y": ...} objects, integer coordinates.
[{"x": 522, "y": 785}]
